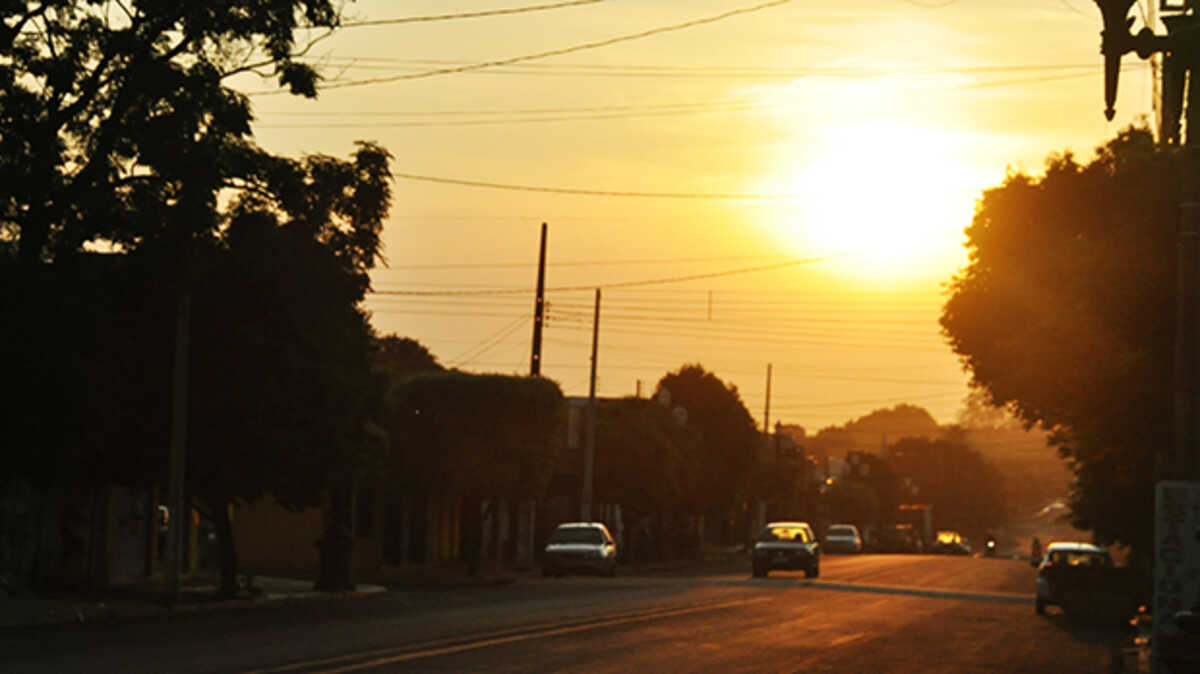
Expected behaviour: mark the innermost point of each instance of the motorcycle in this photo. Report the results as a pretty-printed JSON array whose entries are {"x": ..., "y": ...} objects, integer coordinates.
[{"x": 989, "y": 548}]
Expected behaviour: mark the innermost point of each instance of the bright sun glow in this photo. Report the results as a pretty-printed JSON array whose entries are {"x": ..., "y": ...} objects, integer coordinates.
[{"x": 891, "y": 199}]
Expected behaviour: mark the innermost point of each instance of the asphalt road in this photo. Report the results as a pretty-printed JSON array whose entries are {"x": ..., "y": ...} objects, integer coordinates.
[{"x": 866, "y": 613}]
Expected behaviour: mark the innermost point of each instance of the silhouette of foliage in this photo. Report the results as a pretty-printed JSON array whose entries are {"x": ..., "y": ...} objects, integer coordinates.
[
  {"x": 644, "y": 457},
  {"x": 117, "y": 122},
  {"x": 728, "y": 436},
  {"x": 1065, "y": 314},
  {"x": 482, "y": 435}
]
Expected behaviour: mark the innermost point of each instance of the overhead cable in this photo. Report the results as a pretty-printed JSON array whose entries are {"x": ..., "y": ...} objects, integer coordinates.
[
  {"x": 594, "y": 193},
  {"x": 557, "y": 52},
  {"x": 466, "y": 15},
  {"x": 626, "y": 284}
]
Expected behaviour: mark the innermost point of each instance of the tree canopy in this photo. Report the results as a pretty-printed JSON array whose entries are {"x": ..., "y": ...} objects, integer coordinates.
[
  {"x": 1065, "y": 314},
  {"x": 644, "y": 457},
  {"x": 489, "y": 435},
  {"x": 118, "y": 124},
  {"x": 728, "y": 435}
]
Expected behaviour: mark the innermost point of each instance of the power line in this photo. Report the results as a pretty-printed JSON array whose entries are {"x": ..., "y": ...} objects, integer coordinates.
[
  {"x": 555, "y": 52},
  {"x": 466, "y": 15},
  {"x": 625, "y": 284},
  {"x": 590, "y": 192}
]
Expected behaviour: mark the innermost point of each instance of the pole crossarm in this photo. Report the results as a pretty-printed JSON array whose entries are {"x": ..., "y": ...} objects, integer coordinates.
[{"x": 1116, "y": 40}]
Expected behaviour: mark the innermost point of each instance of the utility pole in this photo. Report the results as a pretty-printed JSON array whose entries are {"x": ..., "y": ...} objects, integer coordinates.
[
  {"x": 1176, "y": 600},
  {"x": 178, "y": 451},
  {"x": 539, "y": 310},
  {"x": 767, "y": 411},
  {"x": 589, "y": 452}
]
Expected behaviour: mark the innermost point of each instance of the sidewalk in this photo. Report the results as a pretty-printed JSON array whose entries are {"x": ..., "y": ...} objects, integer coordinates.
[{"x": 133, "y": 601}]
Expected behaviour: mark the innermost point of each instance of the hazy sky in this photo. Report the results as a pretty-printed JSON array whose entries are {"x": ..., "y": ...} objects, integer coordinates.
[{"x": 856, "y": 133}]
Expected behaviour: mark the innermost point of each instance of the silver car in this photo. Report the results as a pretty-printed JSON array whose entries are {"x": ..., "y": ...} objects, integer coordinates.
[
  {"x": 843, "y": 538},
  {"x": 580, "y": 546}
]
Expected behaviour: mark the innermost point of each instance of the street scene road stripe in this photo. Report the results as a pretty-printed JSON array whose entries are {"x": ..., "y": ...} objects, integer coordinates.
[
  {"x": 993, "y": 597},
  {"x": 381, "y": 657}
]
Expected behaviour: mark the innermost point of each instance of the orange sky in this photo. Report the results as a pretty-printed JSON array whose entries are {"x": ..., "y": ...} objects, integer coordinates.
[{"x": 875, "y": 124}]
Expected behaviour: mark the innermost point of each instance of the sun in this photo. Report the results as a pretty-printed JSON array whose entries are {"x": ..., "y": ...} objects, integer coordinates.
[{"x": 890, "y": 201}]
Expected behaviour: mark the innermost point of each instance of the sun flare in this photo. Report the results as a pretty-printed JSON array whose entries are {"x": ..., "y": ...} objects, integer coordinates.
[{"x": 891, "y": 201}]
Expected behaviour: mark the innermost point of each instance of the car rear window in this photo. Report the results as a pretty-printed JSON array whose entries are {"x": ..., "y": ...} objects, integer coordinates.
[
  {"x": 577, "y": 535},
  {"x": 840, "y": 531},
  {"x": 784, "y": 534}
]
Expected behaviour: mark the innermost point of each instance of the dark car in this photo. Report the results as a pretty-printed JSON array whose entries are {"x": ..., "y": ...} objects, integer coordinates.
[
  {"x": 1070, "y": 573},
  {"x": 899, "y": 538},
  {"x": 786, "y": 545},
  {"x": 580, "y": 546}
]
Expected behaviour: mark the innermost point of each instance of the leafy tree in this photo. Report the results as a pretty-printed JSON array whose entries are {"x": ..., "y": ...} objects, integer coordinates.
[
  {"x": 728, "y": 436},
  {"x": 851, "y": 501},
  {"x": 479, "y": 436},
  {"x": 642, "y": 456},
  {"x": 965, "y": 489},
  {"x": 118, "y": 123},
  {"x": 1065, "y": 314},
  {"x": 120, "y": 131}
]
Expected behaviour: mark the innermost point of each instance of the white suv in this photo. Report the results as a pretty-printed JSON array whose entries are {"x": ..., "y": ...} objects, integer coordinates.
[{"x": 580, "y": 546}]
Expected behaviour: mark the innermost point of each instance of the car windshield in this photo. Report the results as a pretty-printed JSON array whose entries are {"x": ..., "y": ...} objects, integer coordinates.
[
  {"x": 784, "y": 534},
  {"x": 577, "y": 535},
  {"x": 840, "y": 531},
  {"x": 1084, "y": 559}
]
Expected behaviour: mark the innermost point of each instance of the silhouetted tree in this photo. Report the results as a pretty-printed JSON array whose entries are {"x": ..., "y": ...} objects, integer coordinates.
[
  {"x": 1066, "y": 315},
  {"x": 728, "y": 437},
  {"x": 643, "y": 456},
  {"x": 479, "y": 436},
  {"x": 965, "y": 490},
  {"x": 109, "y": 107}
]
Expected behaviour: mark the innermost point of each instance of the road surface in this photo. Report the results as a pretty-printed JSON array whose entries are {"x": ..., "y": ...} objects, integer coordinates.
[{"x": 885, "y": 613}]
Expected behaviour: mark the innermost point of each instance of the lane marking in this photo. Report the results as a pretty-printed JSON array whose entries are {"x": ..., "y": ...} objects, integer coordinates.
[
  {"x": 385, "y": 656},
  {"x": 931, "y": 593},
  {"x": 847, "y": 639}
]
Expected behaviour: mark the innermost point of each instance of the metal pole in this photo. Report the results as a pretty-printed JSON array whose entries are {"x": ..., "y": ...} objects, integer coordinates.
[
  {"x": 589, "y": 454},
  {"x": 539, "y": 310},
  {"x": 178, "y": 455}
]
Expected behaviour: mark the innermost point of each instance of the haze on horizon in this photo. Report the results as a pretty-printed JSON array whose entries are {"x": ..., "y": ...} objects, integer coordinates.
[{"x": 856, "y": 137}]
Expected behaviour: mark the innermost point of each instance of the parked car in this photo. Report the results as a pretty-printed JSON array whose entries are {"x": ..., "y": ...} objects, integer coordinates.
[
  {"x": 1069, "y": 574},
  {"x": 899, "y": 538},
  {"x": 786, "y": 545},
  {"x": 580, "y": 546},
  {"x": 950, "y": 542},
  {"x": 843, "y": 538}
]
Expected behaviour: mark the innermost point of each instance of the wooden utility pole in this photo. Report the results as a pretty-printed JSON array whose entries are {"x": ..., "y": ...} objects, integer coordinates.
[
  {"x": 176, "y": 517},
  {"x": 767, "y": 411},
  {"x": 589, "y": 452},
  {"x": 539, "y": 310}
]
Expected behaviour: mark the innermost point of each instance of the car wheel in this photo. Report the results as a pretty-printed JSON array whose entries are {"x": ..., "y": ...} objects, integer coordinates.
[
  {"x": 1039, "y": 605},
  {"x": 759, "y": 570},
  {"x": 611, "y": 570},
  {"x": 813, "y": 570}
]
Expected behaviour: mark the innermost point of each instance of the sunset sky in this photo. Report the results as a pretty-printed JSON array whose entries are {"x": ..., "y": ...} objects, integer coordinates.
[{"x": 829, "y": 153}]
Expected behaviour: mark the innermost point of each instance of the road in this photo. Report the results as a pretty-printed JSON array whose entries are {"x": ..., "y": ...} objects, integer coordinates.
[{"x": 886, "y": 613}]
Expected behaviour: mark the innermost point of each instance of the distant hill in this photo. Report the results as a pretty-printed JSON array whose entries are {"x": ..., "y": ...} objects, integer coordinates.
[{"x": 1034, "y": 469}]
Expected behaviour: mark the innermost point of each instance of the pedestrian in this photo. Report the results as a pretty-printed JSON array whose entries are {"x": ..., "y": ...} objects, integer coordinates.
[{"x": 1035, "y": 550}]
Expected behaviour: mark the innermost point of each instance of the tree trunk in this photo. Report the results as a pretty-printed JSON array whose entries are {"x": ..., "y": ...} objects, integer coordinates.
[{"x": 219, "y": 511}]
